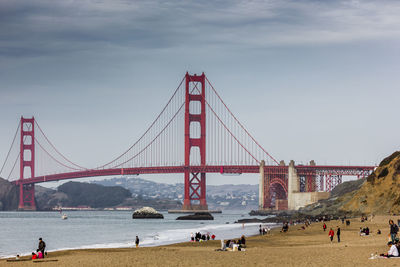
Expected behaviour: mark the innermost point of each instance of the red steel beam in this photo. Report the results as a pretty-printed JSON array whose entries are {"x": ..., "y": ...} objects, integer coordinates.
[{"x": 179, "y": 169}]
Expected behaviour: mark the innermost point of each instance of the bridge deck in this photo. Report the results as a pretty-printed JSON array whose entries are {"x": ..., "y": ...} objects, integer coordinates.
[{"x": 343, "y": 170}]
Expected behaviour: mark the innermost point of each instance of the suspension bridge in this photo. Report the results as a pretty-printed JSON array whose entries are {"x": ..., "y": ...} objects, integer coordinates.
[{"x": 194, "y": 134}]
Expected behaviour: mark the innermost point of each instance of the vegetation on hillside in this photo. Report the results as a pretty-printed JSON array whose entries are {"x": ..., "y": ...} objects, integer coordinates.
[
  {"x": 381, "y": 193},
  {"x": 93, "y": 195}
]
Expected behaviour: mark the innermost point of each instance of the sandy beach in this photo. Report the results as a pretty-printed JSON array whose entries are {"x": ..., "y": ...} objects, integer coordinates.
[{"x": 309, "y": 247}]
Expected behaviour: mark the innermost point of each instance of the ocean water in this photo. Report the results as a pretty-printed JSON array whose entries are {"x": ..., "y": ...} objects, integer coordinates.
[{"x": 20, "y": 231}]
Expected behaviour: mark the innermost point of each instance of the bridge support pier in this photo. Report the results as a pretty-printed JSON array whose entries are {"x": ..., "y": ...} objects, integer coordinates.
[
  {"x": 261, "y": 189},
  {"x": 195, "y": 191},
  {"x": 27, "y": 197},
  {"x": 293, "y": 185}
]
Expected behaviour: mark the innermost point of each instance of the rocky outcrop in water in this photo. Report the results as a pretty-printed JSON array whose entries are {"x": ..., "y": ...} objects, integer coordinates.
[
  {"x": 147, "y": 213},
  {"x": 197, "y": 216}
]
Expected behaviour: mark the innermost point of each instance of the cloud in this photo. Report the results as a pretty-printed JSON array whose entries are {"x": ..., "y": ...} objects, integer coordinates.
[{"x": 35, "y": 28}]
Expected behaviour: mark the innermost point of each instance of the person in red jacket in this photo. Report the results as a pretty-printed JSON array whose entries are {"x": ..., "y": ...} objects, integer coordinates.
[
  {"x": 324, "y": 226},
  {"x": 34, "y": 256},
  {"x": 331, "y": 234}
]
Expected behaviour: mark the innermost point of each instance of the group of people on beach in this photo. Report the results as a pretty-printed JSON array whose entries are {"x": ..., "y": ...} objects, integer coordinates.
[
  {"x": 234, "y": 245},
  {"x": 264, "y": 230},
  {"x": 331, "y": 233},
  {"x": 39, "y": 254},
  {"x": 199, "y": 237},
  {"x": 394, "y": 243},
  {"x": 364, "y": 231}
]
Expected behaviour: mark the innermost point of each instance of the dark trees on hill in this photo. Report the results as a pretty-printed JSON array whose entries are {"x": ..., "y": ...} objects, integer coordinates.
[{"x": 93, "y": 195}]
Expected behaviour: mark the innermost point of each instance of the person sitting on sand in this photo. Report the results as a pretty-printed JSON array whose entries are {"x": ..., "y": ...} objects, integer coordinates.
[
  {"x": 34, "y": 256},
  {"x": 362, "y": 231},
  {"x": 378, "y": 232},
  {"x": 39, "y": 254},
  {"x": 393, "y": 252},
  {"x": 223, "y": 245},
  {"x": 331, "y": 234},
  {"x": 243, "y": 241},
  {"x": 191, "y": 237},
  {"x": 285, "y": 227}
]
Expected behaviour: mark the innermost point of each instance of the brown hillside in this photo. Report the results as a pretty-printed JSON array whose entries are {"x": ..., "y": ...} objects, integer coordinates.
[{"x": 380, "y": 194}]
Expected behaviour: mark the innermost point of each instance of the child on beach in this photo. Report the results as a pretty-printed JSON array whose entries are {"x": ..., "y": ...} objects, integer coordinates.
[
  {"x": 34, "y": 256},
  {"x": 39, "y": 254},
  {"x": 331, "y": 234}
]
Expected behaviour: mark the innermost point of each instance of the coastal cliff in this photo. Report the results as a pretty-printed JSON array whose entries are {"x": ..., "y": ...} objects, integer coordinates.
[{"x": 379, "y": 193}]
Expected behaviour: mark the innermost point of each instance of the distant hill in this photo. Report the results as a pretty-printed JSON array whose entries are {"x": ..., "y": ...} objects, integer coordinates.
[
  {"x": 8, "y": 195},
  {"x": 93, "y": 195},
  {"x": 226, "y": 196}
]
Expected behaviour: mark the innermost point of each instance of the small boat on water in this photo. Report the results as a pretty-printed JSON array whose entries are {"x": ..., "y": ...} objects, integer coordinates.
[{"x": 64, "y": 216}]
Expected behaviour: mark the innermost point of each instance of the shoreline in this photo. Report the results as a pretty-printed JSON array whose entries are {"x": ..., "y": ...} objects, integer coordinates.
[
  {"x": 130, "y": 245},
  {"x": 294, "y": 248}
]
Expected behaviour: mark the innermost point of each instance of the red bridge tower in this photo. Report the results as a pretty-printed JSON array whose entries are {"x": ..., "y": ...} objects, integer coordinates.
[
  {"x": 195, "y": 183},
  {"x": 27, "y": 160}
]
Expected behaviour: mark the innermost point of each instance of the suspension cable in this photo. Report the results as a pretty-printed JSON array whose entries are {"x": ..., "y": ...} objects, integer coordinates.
[
  {"x": 9, "y": 151},
  {"x": 148, "y": 129},
  {"x": 58, "y": 152},
  {"x": 215, "y": 91}
]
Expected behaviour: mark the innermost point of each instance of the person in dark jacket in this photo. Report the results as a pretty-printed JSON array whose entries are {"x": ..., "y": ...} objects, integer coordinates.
[
  {"x": 338, "y": 234},
  {"x": 137, "y": 241},
  {"x": 42, "y": 246},
  {"x": 243, "y": 241},
  {"x": 393, "y": 230}
]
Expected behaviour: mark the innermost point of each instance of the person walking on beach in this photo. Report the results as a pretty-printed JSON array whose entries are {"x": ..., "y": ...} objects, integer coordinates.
[
  {"x": 324, "y": 226},
  {"x": 41, "y": 246},
  {"x": 338, "y": 234},
  {"x": 393, "y": 230},
  {"x": 137, "y": 241},
  {"x": 331, "y": 234}
]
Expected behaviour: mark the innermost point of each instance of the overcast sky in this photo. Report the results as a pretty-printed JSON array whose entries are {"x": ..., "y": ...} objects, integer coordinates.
[{"x": 309, "y": 79}]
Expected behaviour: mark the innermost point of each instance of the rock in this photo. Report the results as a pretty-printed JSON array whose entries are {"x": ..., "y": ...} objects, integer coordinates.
[
  {"x": 252, "y": 220},
  {"x": 147, "y": 213},
  {"x": 197, "y": 216}
]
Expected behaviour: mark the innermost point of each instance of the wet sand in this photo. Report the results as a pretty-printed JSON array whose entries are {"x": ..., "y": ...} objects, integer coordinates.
[{"x": 310, "y": 247}]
